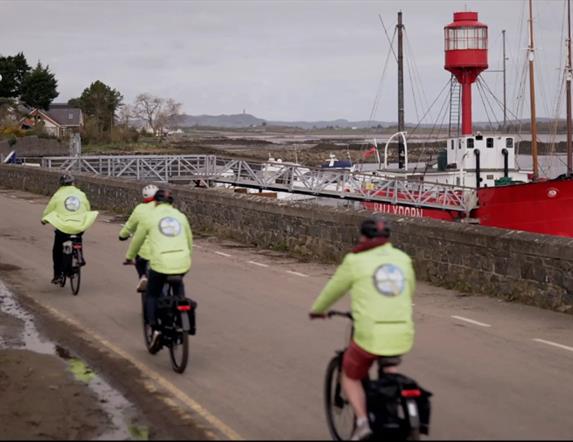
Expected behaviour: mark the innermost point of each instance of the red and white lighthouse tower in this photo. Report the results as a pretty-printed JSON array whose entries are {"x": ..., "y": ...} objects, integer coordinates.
[{"x": 466, "y": 57}]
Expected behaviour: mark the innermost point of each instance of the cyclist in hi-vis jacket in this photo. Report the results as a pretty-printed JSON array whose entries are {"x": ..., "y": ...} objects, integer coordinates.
[
  {"x": 141, "y": 212},
  {"x": 170, "y": 245},
  {"x": 381, "y": 282},
  {"x": 69, "y": 212}
]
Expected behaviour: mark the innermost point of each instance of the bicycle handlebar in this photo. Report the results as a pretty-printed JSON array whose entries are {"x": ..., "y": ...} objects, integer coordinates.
[
  {"x": 329, "y": 314},
  {"x": 332, "y": 313}
]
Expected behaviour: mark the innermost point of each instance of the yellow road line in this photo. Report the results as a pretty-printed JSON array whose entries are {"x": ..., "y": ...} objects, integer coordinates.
[{"x": 192, "y": 404}]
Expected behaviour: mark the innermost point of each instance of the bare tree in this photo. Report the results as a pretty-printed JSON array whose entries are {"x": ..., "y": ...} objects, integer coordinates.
[
  {"x": 172, "y": 112},
  {"x": 125, "y": 114},
  {"x": 158, "y": 113}
]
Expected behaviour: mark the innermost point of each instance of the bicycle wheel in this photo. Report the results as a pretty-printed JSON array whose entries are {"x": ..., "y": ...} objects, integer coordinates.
[
  {"x": 339, "y": 413},
  {"x": 179, "y": 349},
  {"x": 75, "y": 279}
]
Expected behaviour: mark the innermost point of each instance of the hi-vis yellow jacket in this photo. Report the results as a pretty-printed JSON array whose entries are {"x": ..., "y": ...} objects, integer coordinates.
[
  {"x": 140, "y": 213},
  {"x": 381, "y": 282},
  {"x": 69, "y": 211},
  {"x": 170, "y": 240}
]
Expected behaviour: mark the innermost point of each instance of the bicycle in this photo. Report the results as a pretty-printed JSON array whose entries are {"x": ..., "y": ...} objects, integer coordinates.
[
  {"x": 398, "y": 409},
  {"x": 176, "y": 321},
  {"x": 72, "y": 263}
]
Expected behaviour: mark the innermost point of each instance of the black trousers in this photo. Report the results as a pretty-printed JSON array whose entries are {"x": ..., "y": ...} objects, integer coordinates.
[
  {"x": 155, "y": 284},
  {"x": 141, "y": 265},
  {"x": 57, "y": 251}
]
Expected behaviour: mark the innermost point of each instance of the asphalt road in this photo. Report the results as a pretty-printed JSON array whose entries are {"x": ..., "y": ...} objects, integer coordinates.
[{"x": 498, "y": 370}]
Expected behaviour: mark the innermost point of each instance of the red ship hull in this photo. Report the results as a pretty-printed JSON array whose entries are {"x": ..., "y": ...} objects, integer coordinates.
[
  {"x": 540, "y": 207},
  {"x": 417, "y": 212}
]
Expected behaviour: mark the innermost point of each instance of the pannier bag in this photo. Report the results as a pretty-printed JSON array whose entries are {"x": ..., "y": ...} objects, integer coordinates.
[
  {"x": 170, "y": 303},
  {"x": 385, "y": 397}
]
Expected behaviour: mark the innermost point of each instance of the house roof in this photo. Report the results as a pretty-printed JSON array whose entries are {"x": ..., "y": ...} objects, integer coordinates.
[
  {"x": 65, "y": 114},
  {"x": 60, "y": 105},
  {"x": 43, "y": 114}
]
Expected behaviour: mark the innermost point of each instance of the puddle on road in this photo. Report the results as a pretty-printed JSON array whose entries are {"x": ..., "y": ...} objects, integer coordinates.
[
  {"x": 122, "y": 414},
  {"x": 29, "y": 337}
]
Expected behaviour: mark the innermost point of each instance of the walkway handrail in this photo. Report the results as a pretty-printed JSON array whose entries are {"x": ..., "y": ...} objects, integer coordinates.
[{"x": 276, "y": 176}]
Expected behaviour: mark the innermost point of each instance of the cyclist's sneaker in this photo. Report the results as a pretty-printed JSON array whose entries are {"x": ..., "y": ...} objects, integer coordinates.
[
  {"x": 56, "y": 280},
  {"x": 362, "y": 431},
  {"x": 142, "y": 285},
  {"x": 155, "y": 339}
]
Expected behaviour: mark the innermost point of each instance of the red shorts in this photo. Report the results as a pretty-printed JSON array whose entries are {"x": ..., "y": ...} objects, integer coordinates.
[{"x": 357, "y": 362}]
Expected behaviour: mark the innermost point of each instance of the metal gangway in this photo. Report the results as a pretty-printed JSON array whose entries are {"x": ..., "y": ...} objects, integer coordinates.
[
  {"x": 161, "y": 168},
  {"x": 210, "y": 170}
]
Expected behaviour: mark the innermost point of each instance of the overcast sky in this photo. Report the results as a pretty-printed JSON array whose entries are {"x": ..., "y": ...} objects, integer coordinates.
[{"x": 279, "y": 60}]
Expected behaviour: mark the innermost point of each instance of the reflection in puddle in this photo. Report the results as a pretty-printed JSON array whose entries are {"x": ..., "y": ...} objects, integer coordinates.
[
  {"x": 123, "y": 415},
  {"x": 30, "y": 336}
]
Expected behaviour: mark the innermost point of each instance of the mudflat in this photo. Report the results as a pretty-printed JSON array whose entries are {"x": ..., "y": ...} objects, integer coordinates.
[{"x": 42, "y": 400}]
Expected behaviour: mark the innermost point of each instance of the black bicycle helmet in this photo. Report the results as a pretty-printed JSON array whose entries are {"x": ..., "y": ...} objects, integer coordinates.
[
  {"x": 66, "y": 180},
  {"x": 164, "y": 196},
  {"x": 375, "y": 226}
]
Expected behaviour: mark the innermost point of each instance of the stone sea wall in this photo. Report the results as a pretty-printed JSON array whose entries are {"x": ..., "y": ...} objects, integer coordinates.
[{"x": 519, "y": 266}]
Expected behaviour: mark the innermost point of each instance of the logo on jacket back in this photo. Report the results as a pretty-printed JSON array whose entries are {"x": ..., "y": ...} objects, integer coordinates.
[
  {"x": 72, "y": 203},
  {"x": 389, "y": 280},
  {"x": 169, "y": 226}
]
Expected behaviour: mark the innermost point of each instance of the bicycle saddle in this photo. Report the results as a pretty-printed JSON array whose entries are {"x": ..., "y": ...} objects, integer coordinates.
[
  {"x": 171, "y": 279},
  {"x": 389, "y": 361}
]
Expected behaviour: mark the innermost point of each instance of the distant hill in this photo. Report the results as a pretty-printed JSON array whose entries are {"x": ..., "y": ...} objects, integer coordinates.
[
  {"x": 339, "y": 123},
  {"x": 229, "y": 121},
  {"x": 244, "y": 120},
  {"x": 248, "y": 120}
]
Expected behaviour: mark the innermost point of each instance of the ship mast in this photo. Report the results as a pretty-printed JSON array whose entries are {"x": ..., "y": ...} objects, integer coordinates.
[
  {"x": 400, "y": 28},
  {"x": 568, "y": 77},
  {"x": 504, "y": 85},
  {"x": 531, "y": 50}
]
